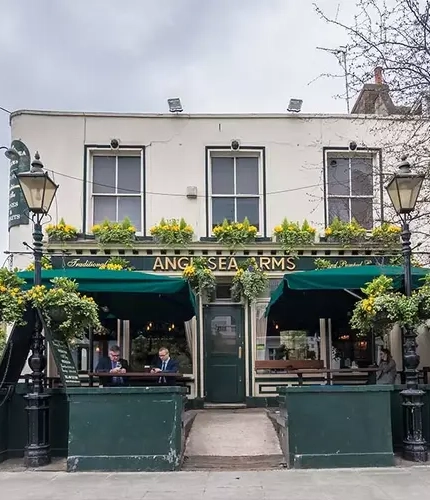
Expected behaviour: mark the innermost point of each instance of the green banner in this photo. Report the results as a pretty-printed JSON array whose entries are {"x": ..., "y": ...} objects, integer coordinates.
[{"x": 17, "y": 203}]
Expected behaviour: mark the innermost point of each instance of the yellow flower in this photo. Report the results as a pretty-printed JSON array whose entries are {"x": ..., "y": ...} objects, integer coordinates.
[
  {"x": 252, "y": 229},
  {"x": 328, "y": 231},
  {"x": 132, "y": 229},
  {"x": 278, "y": 229}
]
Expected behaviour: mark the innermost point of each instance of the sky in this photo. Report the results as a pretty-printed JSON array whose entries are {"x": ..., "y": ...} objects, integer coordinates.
[{"x": 218, "y": 56}]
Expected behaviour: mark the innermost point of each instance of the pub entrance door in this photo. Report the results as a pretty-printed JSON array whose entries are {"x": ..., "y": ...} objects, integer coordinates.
[{"x": 224, "y": 366}]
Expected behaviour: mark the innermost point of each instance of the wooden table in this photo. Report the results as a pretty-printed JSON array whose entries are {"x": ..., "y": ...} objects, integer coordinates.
[{"x": 141, "y": 376}]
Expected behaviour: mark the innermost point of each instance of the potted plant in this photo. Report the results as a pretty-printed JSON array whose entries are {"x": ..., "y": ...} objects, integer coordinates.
[
  {"x": 61, "y": 232},
  {"x": 383, "y": 307},
  {"x": 388, "y": 235},
  {"x": 249, "y": 281},
  {"x": 200, "y": 277},
  {"x": 172, "y": 232},
  {"x": 116, "y": 264},
  {"x": 12, "y": 298},
  {"x": 108, "y": 232},
  {"x": 293, "y": 235},
  {"x": 233, "y": 234},
  {"x": 345, "y": 233},
  {"x": 65, "y": 310}
]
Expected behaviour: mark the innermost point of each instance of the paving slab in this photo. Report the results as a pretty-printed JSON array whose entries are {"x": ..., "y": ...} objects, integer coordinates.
[
  {"x": 232, "y": 433},
  {"x": 354, "y": 484}
]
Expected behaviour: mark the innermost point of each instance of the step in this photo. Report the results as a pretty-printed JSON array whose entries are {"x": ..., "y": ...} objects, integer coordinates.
[
  {"x": 254, "y": 462},
  {"x": 224, "y": 406}
]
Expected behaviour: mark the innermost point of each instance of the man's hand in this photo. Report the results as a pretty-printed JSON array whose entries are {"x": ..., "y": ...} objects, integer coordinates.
[
  {"x": 156, "y": 370},
  {"x": 122, "y": 370},
  {"x": 115, "y": 370}
]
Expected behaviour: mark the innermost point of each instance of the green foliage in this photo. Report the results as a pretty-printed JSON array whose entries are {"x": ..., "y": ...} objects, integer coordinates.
[
  {"x": 200, "y": 277},
  {"x": 65, "y": 310},
  {"x": 172, "y": 232},
  {"x": 115, "y": 232},
  {"x": 234, "y": 234},
  {"x": 61, "y": 231},
  {"x": 345, "y": 233},
  {"x": 382, "y": 307},
  {"x": 116, "y": 264},
  {"x": 388, "y": 235},
  {"x": 12, "y": 298},
  {"x": 293, "y": 235},
  {"x": 3, "y": 340},
  {"x": 249, "y": 281}
]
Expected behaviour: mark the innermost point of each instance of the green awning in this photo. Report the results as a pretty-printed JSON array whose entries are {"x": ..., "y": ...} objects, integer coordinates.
[
  {"x": 133, "y": 295},
  {"x": 322, "y": 293}
]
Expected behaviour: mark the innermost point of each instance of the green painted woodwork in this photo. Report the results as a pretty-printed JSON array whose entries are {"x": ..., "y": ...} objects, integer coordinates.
[
  {"x": 4, "y": 427},
  {"x": 125, "y": 429},
  {"x": 224, "y": 365},
  {"x": 132, "y": 295},
  {"x": 337, "y": 426}
]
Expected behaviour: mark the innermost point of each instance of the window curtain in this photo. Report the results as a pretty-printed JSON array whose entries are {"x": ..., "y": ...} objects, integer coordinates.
[
  {"x": 190, "y": 327},
  {"x": 261, "y": 331}
]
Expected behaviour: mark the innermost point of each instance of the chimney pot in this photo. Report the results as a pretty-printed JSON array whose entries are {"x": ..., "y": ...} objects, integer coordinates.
[{"x": 378, "y": 76}]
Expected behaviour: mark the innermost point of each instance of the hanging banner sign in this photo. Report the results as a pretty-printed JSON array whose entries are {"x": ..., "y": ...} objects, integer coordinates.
[{"x": 17, "y": 204}]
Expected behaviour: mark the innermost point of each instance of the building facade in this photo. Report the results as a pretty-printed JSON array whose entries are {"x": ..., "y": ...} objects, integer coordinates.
[{"x": 207, "y": 168}]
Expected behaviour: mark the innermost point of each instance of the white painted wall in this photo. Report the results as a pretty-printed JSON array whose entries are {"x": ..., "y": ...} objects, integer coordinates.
[{"x": 175, "y": 158}]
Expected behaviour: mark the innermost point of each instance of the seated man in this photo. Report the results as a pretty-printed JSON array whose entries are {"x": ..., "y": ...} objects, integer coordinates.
[
  {"x": 165, "y": 364},
  {"x": 113, "y": 364}
]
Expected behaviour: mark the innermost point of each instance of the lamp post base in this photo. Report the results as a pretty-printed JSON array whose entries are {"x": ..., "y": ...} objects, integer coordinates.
[
  {"x": 38, "y": 451},
  {"x": 414, "y": 444}
]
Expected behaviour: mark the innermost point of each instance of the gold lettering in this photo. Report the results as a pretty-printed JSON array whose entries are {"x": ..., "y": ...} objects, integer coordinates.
[
  {"x": 170, "y": 264},
  {"x": 265, "y": 263},
  {"x": 222, "y": 263},
  {"x": 158, "y": 264},
  {"x": 291, "y": 263},
  {"x": 86, "y": 263},
  {"x": 278, "y": 263},
  {"x": 232, "y": 264},
  {"x": 212, "y": 263},
  {"x": 183, "y": 263}
]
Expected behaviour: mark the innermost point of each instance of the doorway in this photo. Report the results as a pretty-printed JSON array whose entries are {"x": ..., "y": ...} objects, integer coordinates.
[{"x": 224, "y": 353}]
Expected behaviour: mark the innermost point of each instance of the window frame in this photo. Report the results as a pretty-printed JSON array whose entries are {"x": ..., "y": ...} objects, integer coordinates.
[
  {"x": 127, "y": 151},
  {"x": 244, "y": 152},
  {"x": 377, "y": 180}
]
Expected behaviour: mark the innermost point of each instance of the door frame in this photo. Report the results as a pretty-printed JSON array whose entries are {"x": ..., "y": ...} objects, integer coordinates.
[{"x": 240, "y": 308}]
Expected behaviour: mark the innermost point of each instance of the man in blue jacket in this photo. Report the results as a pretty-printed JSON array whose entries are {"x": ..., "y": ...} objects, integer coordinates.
[
  {"x": 114, "y": 365},
  {"x": 165, "y": 364}
]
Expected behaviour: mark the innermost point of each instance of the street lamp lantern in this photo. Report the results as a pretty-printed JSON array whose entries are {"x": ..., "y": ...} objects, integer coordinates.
[
  {"x": 37, "y": 187},
  {"x": 404, "y": 188}
]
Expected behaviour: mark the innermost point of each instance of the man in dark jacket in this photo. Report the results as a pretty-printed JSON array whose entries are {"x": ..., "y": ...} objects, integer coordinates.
[
  {"x": 165, "y": 364},
  {"x": 115, "y": 365}
]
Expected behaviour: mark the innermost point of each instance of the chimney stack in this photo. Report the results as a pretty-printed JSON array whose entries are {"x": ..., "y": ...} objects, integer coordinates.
[{"x": 378, "y": 76}]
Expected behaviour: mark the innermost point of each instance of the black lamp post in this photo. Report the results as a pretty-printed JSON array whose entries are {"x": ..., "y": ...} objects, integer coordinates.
[
  {"x": 39, "y": 191},
  {"x": 403, "y": 190}
]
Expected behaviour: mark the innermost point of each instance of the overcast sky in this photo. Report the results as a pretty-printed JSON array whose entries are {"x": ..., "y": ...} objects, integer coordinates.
[{"x": 216, "y": 55}]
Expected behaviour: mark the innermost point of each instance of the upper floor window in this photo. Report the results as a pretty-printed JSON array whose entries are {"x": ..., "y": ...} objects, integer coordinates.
[
  {"x": 117, "y": 188},
  {"x": 349, "y": 190},
  {"x": 235, "y": 188}
]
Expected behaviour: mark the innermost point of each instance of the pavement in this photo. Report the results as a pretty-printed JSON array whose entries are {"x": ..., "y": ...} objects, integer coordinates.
[
  {"x": 411, "y": 483},
  {"x": 228, "y": 434}
]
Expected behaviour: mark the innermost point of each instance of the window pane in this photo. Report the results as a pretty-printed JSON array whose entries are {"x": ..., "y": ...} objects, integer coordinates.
[
  {"x": 249, "y": 207},
  {"x": 104, "y": 174},
  {"x": 222, "y": 208},
  {"x": 223, "y": 335},
  {"x": 130, "y": 207},
  {"x": 338, "y": 176},
  {"x": 247, "y": 176},
  {"x": 104, "y": 208},
  {"x": 222, "y": 175},
  {"x": 338, "y": 207},
  {"x": 362, "y": 211},
  {"x": 361, "y": 177},
  {"x": 129, "y": 174}
]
